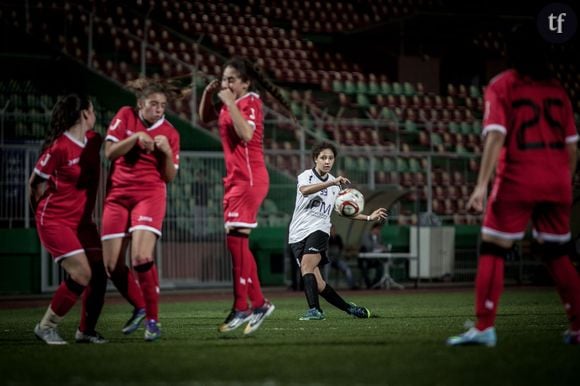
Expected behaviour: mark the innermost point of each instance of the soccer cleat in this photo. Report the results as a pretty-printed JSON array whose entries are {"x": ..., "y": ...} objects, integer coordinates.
[
  {"x": 234, "y": 320},
  {"x": 572, "y": 337},
  {"x": 358, "y": 311},
  {"x": 134, "y": 321},
  {"x": 95, "y": 337},
  {"x": 258, "y": 316},
  {"x": 49, "y": 335},
  {"x": 152, "y": 331},
  {"x": 473, "y": 336},
  {"x": 313, "y": 314}
]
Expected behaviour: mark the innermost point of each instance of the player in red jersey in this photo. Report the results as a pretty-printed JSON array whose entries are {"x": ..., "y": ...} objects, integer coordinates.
[
  {"x": 63, "y": 189},
  {"x": 531, "y": 136},
  {"x": 144, "y": 149},
  {"x": 246, "y": 184}
]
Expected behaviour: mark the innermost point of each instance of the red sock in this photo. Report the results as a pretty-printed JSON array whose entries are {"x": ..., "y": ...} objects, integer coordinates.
[
  {"x": 488, "y": 289},
  {"x": 250, "y": 272},
  {"x": 149, "y": 280},
  {"x": 125, "y": 282},
  {"x": 236, "y": 247},
  {"x": 65, "y": 298},
  {"x": 93, "y": 298},
  {"x": 568, "y": 286}
]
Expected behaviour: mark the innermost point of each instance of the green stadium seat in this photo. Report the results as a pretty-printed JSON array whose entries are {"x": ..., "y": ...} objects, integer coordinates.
[
  {"x": 337, "y": 86},
  {"x": 386, "y": 88},
  {"x": 362, "y": 100},
  {"x": 408, "y": 89},
  {"x": 388, "y": 165},
  {"x": 453, "y": 127},
  {"x": 474, "y": 91},
  {"x": 402, "y": 165},
  {"x": 465, "y": 128},
  {"x": 410, "y": 126},
  {"x": 414, "y": 165},
  {"x": 397, "y": 88},
  {"x": 436, "y": 139}
]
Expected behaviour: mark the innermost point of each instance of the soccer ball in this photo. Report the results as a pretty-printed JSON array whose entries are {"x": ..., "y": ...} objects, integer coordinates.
[{"x": 349, "y": 202}]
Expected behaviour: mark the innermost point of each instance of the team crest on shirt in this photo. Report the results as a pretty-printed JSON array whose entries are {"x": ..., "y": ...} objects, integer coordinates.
[{"x": 74, "y": 161}]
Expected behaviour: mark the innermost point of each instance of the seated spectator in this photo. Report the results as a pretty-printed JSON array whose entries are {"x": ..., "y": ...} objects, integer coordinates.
[
  {"x": 334, "y": 253},
  {"x": 372, "y": 242}
]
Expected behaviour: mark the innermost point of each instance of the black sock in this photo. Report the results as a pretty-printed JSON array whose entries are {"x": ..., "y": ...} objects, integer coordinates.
[
  {"x": 311, "y": 290},
  {"x": 333, "y": 298}
]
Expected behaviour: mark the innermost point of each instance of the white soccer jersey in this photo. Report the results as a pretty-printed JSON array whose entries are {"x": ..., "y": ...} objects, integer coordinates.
[{"x": 312, "y": 213}]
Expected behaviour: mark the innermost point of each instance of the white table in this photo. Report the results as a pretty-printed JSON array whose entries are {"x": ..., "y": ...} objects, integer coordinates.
[{"x": 386, "y": 281}]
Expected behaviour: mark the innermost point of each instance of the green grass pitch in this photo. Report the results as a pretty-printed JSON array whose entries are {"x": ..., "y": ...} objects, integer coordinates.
[{"x": 403, "y": 344}]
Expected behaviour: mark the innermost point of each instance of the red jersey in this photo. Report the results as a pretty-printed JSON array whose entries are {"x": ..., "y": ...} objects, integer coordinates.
[
  {"x": 244, "y": 161},
  {"x": 537, "y": 120},
  {"x": 139, "y": 170},
  {"x": 72, "y": 169}
]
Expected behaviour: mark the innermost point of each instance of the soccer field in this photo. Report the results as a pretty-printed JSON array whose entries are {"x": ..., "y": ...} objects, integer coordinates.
[{"x": 403, "y": 344}]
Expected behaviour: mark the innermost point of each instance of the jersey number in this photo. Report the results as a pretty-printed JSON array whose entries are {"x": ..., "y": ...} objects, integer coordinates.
[
  {"x": 553, "y": 123},
  {"x": 115, "y": 125}
]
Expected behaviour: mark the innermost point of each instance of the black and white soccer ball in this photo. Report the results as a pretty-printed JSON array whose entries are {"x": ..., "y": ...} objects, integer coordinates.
[{"x": 349, "y": 202}]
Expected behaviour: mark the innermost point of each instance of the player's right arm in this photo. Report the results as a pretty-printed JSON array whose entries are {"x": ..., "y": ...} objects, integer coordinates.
[
  {"x": 37, "y": 186},
  {"x": 207, "y": 112},
  {"x": 307, "y": 190},
  {"x": 114, "y": 150},
  {"x": 118, "y": 144},
  {"x": 493, "y": 143},
  {"x": 48, "y": 162}
]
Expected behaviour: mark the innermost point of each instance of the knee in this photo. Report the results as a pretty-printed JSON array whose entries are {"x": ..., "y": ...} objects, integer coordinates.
[
  {"x": 551, "y": 250},
  {"x": 493, "y": 249},
  {"x": 140, "y": 259},
  {"x": 81, "y": 276}
]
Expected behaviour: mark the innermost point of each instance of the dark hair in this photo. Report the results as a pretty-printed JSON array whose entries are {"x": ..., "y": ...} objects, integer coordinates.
[
  {"x": 65, "y": 114},
  {"x": 252, "y": 72},
  {"x": 526, "y": 52},
  {"x": 316, "y": 150}
]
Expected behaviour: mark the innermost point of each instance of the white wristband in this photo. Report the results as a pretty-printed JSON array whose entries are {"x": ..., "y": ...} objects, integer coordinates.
[{"x": 368, "y": 218}]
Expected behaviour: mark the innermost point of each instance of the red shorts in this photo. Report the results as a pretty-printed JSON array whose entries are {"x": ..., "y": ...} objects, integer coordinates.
[
  {"x": 62, "y": 241},
  {"x": 124, "y": 213},
  {"x": 241, "y": 205},
  {"x": 508, "y": 220}
]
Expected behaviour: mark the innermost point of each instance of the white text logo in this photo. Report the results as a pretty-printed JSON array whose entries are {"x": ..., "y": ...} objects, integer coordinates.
[{"x": 559, "y": 19}]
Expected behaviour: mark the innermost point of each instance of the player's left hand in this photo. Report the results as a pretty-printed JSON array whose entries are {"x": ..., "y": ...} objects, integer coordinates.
[
  {"x": 379, "y": 215},
  {"x": 162, "y": 143}
]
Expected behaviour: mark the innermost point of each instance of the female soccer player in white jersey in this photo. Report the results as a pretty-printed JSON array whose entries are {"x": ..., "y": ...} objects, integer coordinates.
[
  {"x": 310, "y": 230},
  {"x": 63, "y": 189}
]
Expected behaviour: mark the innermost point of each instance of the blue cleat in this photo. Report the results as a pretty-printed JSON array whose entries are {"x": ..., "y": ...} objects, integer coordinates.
[
  {"x": 234, "y": 320},
  {"x": 474, "y": 337},
  {"x": 152, "y": 331},
  {"x": 258, "y": 316},
  {"x": 358, "y": 311},
  {"x": 134, "y": 321},
  {"x": 313, "y": 314},
  {"x": 572, "y": 337}
]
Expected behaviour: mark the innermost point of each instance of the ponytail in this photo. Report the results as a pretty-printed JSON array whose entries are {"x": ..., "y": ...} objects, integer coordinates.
[{"x": 65, "y": 114}]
